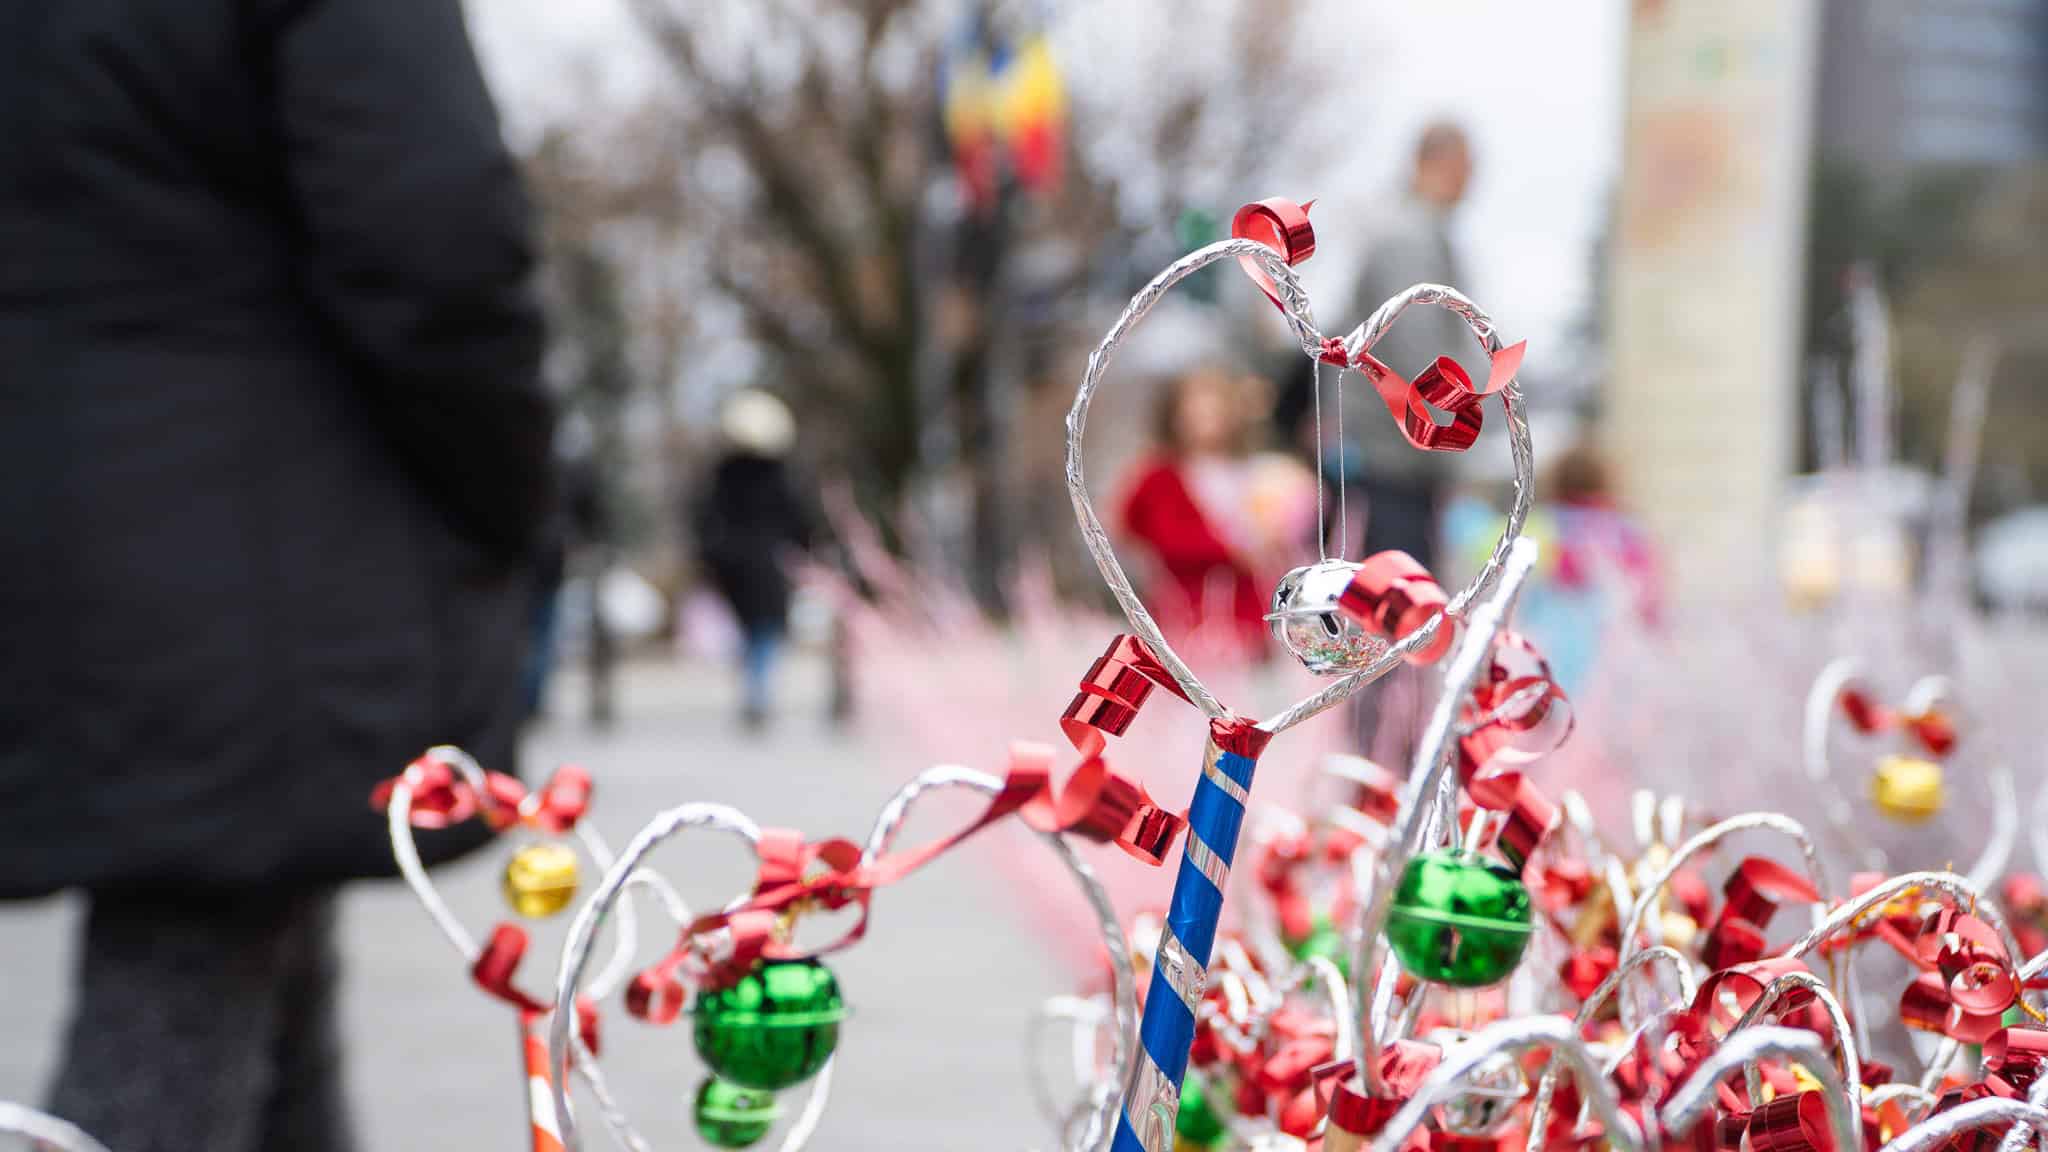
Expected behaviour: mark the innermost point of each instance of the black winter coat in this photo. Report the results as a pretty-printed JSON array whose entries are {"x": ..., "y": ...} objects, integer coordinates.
[
  {"x": 747, "y": 521},
  {"x": 272, "y": 445}
]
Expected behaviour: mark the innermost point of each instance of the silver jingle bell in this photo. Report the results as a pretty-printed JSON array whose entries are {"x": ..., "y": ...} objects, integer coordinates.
[
  {"x": 1491, "y": 1092},
  {"x": 1307, "y": 623}
]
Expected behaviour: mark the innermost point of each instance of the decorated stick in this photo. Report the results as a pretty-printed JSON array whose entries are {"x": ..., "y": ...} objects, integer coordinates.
[
  {"x": 1023, "y": 790},
  {"x": 1433, "y": 757},
  {"x": 1385, "y": 597},
  {"x": 540, "y": 880}
]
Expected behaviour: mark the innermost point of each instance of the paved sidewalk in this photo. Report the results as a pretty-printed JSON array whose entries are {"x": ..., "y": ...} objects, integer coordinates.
[{"x": 932, "y": 1060}]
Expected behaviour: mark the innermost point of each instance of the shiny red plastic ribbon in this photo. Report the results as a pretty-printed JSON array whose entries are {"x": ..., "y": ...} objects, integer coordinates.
[
  {"x": 1097, "y": 803},
  {"x": 1279, "y": 224},
  {"x": 1520, "y": 713},
  {"x": 1393, "y": 595},
  {"x": 496, "y": 969},
  {"x": 1966, "y": 982},
  {"x": 1116, "y": 688},
  {"x": 1444, "y": 386},
  {"x": 1404, "y": 1065},
  {"x": 442, "y": 798},
  {"x": 1933, "y": 729},
  {"x": 1751, "y": 898},
  {"x": 2017, "y": 1056},
  {"x": 1797, "y": 1122},
  {"x": 1111, "y": 694},
  {"x": 1530, "y": 814}
]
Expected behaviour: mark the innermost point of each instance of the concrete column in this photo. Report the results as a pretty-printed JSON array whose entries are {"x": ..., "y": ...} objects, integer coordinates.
[{"x": 1708, "y": 266}]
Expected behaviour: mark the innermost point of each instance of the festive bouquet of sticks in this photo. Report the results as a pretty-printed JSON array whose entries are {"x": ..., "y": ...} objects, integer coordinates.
[{"x": 1441, "y": 957}]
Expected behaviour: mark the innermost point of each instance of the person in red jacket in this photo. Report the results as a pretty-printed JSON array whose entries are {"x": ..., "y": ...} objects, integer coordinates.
[{"x": 1211, "y": 517}]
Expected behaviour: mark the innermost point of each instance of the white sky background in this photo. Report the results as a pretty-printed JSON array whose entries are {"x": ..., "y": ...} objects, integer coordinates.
[{"x": 1537, "y": 85}]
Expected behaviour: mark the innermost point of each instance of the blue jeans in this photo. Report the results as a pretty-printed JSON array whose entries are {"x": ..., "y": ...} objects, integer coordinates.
[{"x": 761, "y": 646}]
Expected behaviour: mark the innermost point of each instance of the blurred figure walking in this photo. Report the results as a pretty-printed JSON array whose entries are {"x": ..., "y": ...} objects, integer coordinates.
[
  {"x": 274, "y": 452},
  {"x": 1405, "y": 489},
  {"x": 1411, "y": 244},
  {"x": 749, "y": 522}
]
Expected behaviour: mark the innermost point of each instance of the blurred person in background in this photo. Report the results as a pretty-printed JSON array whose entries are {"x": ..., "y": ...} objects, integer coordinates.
[
  {"x": 1410, "y": 244},
  {"x": 1396, "y": 490},
  {"x": 749, "y": 524},
  {"x": 1219, "y": 523},
  {"x": 275, "y": 454},
  {"x": 1598, "y": 574}
]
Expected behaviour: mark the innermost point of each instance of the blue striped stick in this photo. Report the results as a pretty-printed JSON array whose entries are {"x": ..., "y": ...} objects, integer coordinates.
[{"x": 1180, "y": 970}]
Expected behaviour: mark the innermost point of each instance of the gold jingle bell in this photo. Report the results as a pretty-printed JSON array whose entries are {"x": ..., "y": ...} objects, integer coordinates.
[
  {"x": 1907, "y": 789},
  {"x": 540, "y": 879}
]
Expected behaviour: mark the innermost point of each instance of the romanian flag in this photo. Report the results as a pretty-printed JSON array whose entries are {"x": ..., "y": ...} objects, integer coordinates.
[
  {"x": 1031, "y": 116},
  {"x": 1006, "y": 110}
]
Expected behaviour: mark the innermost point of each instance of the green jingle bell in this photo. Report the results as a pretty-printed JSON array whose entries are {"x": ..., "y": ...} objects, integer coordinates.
[
  {"x": 774, "y": 1028},
  {"x": 1198, "y": 1127},
  {"x": 1459, "y": 920},
  {"x": 729, "y": 1116}
]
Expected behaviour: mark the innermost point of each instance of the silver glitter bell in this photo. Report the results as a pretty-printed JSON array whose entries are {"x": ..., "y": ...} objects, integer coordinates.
[
  {"x": 1307, "y": 623},
  {"x": 1491, "y": 1092}
]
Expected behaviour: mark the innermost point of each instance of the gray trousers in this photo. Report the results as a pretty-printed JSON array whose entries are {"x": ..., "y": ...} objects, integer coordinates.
[{"x": 204, "y": 1020}]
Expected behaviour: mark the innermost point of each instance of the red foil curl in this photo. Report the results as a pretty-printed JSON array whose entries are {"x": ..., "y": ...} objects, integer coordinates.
[
  {"x": 1279, "y": 224},
  {"x": 1392, "y": 596}
]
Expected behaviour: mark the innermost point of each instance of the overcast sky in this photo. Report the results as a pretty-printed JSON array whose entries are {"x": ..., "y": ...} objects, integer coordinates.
[{"x": 1538, "y": 86}]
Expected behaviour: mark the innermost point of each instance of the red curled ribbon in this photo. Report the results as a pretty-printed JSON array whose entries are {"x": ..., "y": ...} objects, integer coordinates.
[
  {"x": 1446, "y": 386},
  {"x": 441, "y": 798},
  {"x": 1933, "y": 729},
  {"x": 1530, "y": 814},
  {"x": 1793, "y": 1123},
  {"x": 1518, "y": 712},
  {"x": 1279, "y": 224},
  {"x": 2017, "y": 1055},
  {"x": 1724, "y": 996},
  {"x": 1097, "y": 804},
  {"x": 1115, "y": 688},
  {"x": 1393, "y": 595},
  {"x": 1404, "y": 1064},
  {"x": 1752, "y": 895},
  {"x": 497, "y": 963},
  {"x": 1966, "y": 983}
]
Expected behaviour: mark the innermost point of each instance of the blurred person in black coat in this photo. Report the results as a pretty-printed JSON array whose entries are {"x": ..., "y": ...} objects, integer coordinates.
[
  {"x": 273, "y": 451},
  {"x": 748, "y": 521}
]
